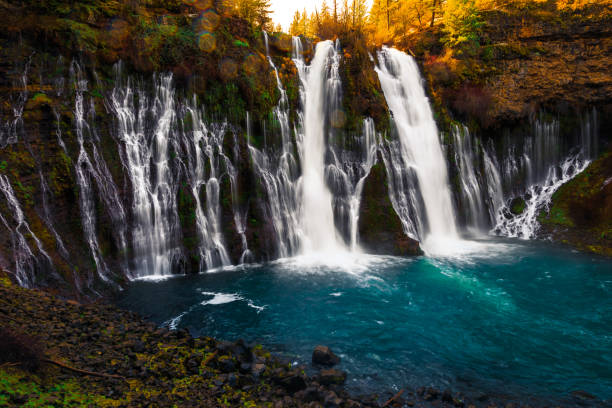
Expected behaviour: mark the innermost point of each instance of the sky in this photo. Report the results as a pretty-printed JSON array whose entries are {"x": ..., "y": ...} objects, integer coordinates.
[{"x": 283, "y": 10}]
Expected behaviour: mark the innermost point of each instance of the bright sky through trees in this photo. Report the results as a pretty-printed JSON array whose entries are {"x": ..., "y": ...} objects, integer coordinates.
[{"x": 283, "y": 10}]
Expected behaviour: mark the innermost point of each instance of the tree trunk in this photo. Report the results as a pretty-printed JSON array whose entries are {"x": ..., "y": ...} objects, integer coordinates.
[
  {"x": 433, "y": 13},
  {"x": 388, "y": 16},
  {"x": 335, "y": 12}
]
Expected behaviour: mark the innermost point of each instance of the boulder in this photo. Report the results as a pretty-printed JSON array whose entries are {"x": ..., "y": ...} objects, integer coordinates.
[
  {"x": 332, "y": 376},
  {"x": 322, "y": 355}
]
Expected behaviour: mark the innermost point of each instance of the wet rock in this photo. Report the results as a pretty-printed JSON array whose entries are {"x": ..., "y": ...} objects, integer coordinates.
[
  {"x": 292, "y": 381},
  {"x": 245, "y": 368},
  {"x": 258, "y": 369},
  {"x": 332, "y": 376},
  {"x": 331, "y": 400},
  {"x": 431, "y": 394},
  {"x": 482, "y": 397},
  {"x": 322, "y": 355},
  {"x": 232, "y": 379},
  {"x": 192, "y": 365},
  {"x": 583, "y": 395},
  {"x": 447, "y": 396},
  {"x": 226, "y": 364},
  {"x": 311, "y": 394}
]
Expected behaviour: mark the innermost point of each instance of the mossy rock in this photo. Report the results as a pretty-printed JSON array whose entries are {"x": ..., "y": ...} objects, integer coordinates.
[
  {"x": 517, "y": 205},
  {"x": 581, "y": 210}
]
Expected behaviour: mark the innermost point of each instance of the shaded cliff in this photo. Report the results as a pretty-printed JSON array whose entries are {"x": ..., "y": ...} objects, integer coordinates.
[
  {"x": 520, "y": 61},
  {"x": 581, "y": 210}
]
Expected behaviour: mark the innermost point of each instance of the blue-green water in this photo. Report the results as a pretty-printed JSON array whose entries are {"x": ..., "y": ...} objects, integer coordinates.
[{"x": 517, "y": 318}]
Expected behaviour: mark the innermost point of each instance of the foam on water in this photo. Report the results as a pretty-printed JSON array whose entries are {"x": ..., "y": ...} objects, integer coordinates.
[{"x": 220, "y": 298}]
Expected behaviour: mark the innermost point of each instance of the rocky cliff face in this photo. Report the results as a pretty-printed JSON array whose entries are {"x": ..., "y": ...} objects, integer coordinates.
[
  {"x": 526, "y": 60},
  {"x": 135, "y": 139},
  {"x": 150, "y": 149},
  {"x": 581, "y": 210}
]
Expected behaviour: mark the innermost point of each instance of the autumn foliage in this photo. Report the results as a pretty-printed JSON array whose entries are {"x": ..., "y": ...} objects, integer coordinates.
[{"x": 391, "y": 21}]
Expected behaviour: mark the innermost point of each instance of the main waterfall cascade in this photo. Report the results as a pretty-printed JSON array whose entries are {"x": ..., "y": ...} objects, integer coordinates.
[
  {"x": 309, "y": 179},
  {"x": 320, "y": 93},
  {"x": 315, "y": 209},
  {"x": 421, "y": 151}
]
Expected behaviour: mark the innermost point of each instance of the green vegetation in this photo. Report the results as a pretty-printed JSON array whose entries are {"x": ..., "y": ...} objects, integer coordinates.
[
  {"x": 581, "y": 210},
  {"x": 19, "y": 388},
  {"x": 517, "y": 206}
]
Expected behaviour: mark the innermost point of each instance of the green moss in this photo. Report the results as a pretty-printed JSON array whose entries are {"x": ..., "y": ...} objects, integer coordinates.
[
  {"x": 39, "y": 99},
  {"x": 580, "y": 210},
  {"x": 239, "y": 43},
  {"x": 84, "y": 37},
  {"x": 557, "y": 216},
  {"x": 517, "y": 206},
  {"x": 24, "y": 389}
]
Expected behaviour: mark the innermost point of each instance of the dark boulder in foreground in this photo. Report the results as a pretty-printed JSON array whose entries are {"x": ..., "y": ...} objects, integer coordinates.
[
  {"x": 322, "y": 355},
  {"x": 332, "y": 376}
]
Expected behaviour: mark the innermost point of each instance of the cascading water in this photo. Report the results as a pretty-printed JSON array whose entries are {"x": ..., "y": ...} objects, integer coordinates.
[
  {"x": 470, "y": 192},
  {"x": 420, "y": 147},
  {"x": 403, "y": 191},
  {"x": 346, "y": 174},
  {"x": 278, "y": 172},
  {"x": 85, "y": 171},
  {"x": 48, "y": 216},
  {"x": 26, "y": 262},
  {"x": 239, "y": 214},
  {"x": 205, "y": 145},
  {"x": 161, "y": 139},
  {"x": 143, "y": 130},
  {"x": 311, "y": 179},
  {"x": 533, "y": 175},
  {"x": 319, "y": 83},
  {"x": 495, "y": 192},
  {"x": 537, "y": 199},
  {"x": 10, "y": 130}
]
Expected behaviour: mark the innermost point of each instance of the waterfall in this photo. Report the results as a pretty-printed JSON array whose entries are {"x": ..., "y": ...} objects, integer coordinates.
[
  {"x": 466, "y": 155},
  {"x": 26, "y": 263},
  {"x": 529, "y": 170},
  {"x": 165, "y": 139},
  {"x": 420, "y": 146},
  {"x": 534, "y": 170},
  {"x": 48, "y": 216},
  {"x": 495, "y": 192},
  {"x": 346, "y": 175},
  {"x": 403, "y": 191},
  {"x": 278, "y": 173},
  {"x": 319, "y": 83},
  {"x": 204, "y": 151},
  {"x": 537, "y": 199},
  {"x": 171, "y": 205},
  {"x": 239, "y": 214},
  {"x": 85, "y": 171},
  {"x": 9, "y": 130},
  {"x": 143, "y": 129}
]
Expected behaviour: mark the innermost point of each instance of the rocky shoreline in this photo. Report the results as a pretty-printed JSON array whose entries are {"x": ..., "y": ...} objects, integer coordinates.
[{"x": 98, "y": 355}]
